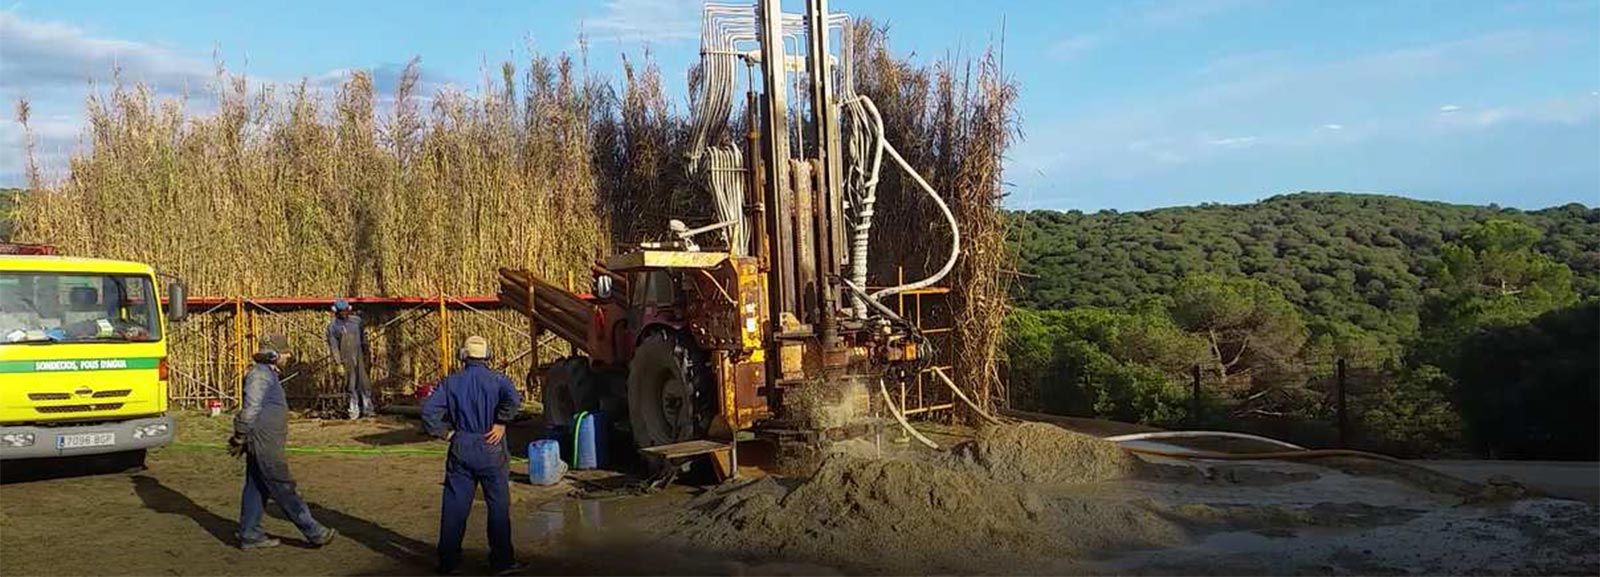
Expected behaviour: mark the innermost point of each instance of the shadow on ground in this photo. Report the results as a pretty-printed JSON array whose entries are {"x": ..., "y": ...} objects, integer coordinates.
[
  {"x": 405, "y": 551},
  {"x": 405, "y": 436},
  {"x": 163, "y": 499},
  {"x": 51, "y": 468}
]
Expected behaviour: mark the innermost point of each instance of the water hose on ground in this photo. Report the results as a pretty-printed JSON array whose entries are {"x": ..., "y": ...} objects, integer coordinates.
[
  {"x": 331, "y": 450},
  {"x": 957, "y": 390},
  {"x": 1287, "y": 456},
  {"x": 894, "y": 410},
  {"x": 1192, "y": 434}
]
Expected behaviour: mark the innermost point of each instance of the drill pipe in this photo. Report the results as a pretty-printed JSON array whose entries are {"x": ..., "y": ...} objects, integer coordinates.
[{"x": 556, "y": 310}]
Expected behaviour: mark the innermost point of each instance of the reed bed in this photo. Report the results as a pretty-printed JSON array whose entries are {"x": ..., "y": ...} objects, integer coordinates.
[
  {"x": 291, "y": 190},
  {"x": 952, "y": 120}
]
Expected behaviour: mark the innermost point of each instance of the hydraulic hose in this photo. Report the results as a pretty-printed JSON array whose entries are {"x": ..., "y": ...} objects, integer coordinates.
[
  {"x": 955, "y": 230},
  {"x": 957, "y": 390},
  {"x": 894, "y": 410}
]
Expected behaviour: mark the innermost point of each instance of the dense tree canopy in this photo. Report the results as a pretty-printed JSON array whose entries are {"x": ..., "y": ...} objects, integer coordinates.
[
  {"x": 1462, "y": 328},
  {"x": 1353, "y": 264}
]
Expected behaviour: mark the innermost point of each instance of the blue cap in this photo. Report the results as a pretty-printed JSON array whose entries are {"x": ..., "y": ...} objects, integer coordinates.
[{"x": 341, "y": 305}]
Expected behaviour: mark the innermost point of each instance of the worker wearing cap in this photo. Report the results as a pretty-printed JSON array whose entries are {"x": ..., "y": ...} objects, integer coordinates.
[
  {"x": 260, "y": 433},
  {"x": 470, "y": 409},
  {"x": 347, "y": 345}
]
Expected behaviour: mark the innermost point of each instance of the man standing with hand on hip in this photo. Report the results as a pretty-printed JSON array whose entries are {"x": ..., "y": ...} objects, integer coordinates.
[
  {"x": 347, "y": 345},
  {"x": 470, "y": 409}
]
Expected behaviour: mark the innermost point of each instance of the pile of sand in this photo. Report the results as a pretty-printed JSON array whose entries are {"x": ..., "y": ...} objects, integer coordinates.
[
  {"x": 1045, "y": 453},
  {"x": 913, "y": 517}
]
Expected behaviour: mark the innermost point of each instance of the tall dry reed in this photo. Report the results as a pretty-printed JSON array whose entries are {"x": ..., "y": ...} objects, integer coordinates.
[
  {"x": 294, "y": 190},
  {"x": 953, "y": 121}
]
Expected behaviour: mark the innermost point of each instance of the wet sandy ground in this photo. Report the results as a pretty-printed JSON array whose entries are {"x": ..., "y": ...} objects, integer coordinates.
[{"x": 178, "y": 518}]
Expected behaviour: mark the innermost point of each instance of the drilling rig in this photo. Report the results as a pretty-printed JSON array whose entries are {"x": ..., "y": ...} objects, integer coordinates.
[{"x": 761, "y": 321}]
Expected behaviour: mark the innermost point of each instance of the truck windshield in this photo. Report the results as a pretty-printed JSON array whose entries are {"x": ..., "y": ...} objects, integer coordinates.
[{"x": 45, "y": 308}]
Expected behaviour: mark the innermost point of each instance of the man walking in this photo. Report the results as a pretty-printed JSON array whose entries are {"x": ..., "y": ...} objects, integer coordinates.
[
  {"x": 260, "y": 433},
  {"x": 470, "y": 410},
  {"x": 347, "y": 345}
]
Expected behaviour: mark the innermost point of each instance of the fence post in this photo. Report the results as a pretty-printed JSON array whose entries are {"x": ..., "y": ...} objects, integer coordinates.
[
  {"x": 1194, "y": 395},
  {"x": 1339, "y": 389}
]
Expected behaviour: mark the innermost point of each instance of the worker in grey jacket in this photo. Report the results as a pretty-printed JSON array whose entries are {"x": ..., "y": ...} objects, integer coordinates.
[
  {"x": 347, "y": 345},
  {"x": 261, "y": 434}
]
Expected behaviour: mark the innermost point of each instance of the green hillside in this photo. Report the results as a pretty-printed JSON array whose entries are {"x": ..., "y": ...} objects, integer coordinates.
[
  {"x": 1116, "y": 311},
  {"x": 1358, "y": 259}
]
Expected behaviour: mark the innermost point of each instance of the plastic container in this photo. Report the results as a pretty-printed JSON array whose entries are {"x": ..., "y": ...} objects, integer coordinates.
[
  {"x": 588, "y": 440},
  {"x": 562, "y": 436},
  {"x": 544, "y": 462}
]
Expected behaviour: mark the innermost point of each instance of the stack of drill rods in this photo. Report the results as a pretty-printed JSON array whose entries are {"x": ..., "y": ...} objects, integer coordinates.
[{"x": 555, "y": 309}]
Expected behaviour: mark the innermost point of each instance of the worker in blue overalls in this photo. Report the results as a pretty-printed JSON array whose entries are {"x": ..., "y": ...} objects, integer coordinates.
[
  {"x": 261, "y": 433},
  {"x": 470, "y": 409},
  {"x": 347, "y": 346}
]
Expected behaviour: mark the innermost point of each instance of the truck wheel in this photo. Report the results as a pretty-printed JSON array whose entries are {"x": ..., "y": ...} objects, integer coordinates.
[
  {"x": 669, "y": 391},
  {"x": 560, "y": 382}
]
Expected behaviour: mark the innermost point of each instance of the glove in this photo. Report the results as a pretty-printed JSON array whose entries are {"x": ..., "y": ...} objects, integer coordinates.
[{"x": 236, "y": 444}]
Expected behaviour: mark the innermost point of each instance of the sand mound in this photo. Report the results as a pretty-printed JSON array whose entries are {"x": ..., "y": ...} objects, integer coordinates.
[
  {"x": 1045, "y": 453},
  {"x": 914, "y": 517}
]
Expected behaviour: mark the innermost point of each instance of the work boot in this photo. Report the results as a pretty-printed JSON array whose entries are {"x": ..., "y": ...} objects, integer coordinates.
[
  {"x": 512, "y": 569},
  {"x": 323, "y": 539},
  {"x": 261, "y": 543}
]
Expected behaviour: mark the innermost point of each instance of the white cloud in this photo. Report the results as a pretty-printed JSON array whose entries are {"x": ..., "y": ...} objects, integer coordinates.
[
  {"x": 1449, "y": 108},
  {"x": 1570, "y": 111},
  {"x": 1273, "y": 96},
  {"x": 53, "y": 64},
  {"x": 646, "y": 20},
  {"x": 46, "y": 55},
  {"x": 1074, "y": 46},
  {"x": 1233, "y": 142}
]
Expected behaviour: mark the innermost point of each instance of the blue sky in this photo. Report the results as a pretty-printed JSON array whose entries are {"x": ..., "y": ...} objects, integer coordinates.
[{"x": 1125, "y": 105}]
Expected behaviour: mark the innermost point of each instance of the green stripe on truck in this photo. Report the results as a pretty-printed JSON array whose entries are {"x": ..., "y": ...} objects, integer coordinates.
[{"x": 59, "y": 366}]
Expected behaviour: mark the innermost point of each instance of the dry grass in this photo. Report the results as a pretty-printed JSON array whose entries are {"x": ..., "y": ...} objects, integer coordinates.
[{"x": 290, "y": 190}]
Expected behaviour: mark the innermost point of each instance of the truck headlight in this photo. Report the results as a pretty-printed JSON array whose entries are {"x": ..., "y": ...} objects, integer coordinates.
[
  {"x": 147, "y": 431},
  {"x": 16, "y": 440}
]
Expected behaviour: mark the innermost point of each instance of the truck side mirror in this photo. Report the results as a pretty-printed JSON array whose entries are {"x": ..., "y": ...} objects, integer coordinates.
[{"x": 177, "y": 303}]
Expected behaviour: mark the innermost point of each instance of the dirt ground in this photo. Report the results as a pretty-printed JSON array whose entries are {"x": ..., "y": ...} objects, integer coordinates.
[{"x": 973, "y": 510}]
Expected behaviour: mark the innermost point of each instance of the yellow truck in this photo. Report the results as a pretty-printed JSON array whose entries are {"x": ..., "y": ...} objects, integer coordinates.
[{"x": 83, "y": 356}]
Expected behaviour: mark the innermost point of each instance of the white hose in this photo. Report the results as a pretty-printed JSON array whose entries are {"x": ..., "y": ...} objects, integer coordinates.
[
  {"x": 946, "y": 378},
  {"x": 1194, "y": 434},
  {"x": 893, "y": 410},
  {"x": 955, "y": 230}
]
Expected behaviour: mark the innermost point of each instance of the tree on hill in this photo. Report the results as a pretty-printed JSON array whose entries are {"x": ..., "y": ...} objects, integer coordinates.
[
  {"x": 1247, "y": 325},
  {"x": 1491, "y": 278}
]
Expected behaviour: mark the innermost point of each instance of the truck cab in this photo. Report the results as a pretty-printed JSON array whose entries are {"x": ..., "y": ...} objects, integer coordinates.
[{"x": 83, "y": 357}]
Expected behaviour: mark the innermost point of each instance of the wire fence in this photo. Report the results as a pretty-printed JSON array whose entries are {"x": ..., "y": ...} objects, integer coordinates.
[{"x": 1346, "y": 402}]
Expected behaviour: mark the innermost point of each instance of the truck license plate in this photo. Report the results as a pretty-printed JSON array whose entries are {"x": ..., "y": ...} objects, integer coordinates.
[{"x": 82, "y": 440}]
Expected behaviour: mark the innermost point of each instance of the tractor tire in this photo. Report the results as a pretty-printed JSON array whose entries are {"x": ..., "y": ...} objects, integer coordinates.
[
  {"x": 670, "y": 393},
  {"x": 560, "y": 382}
]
